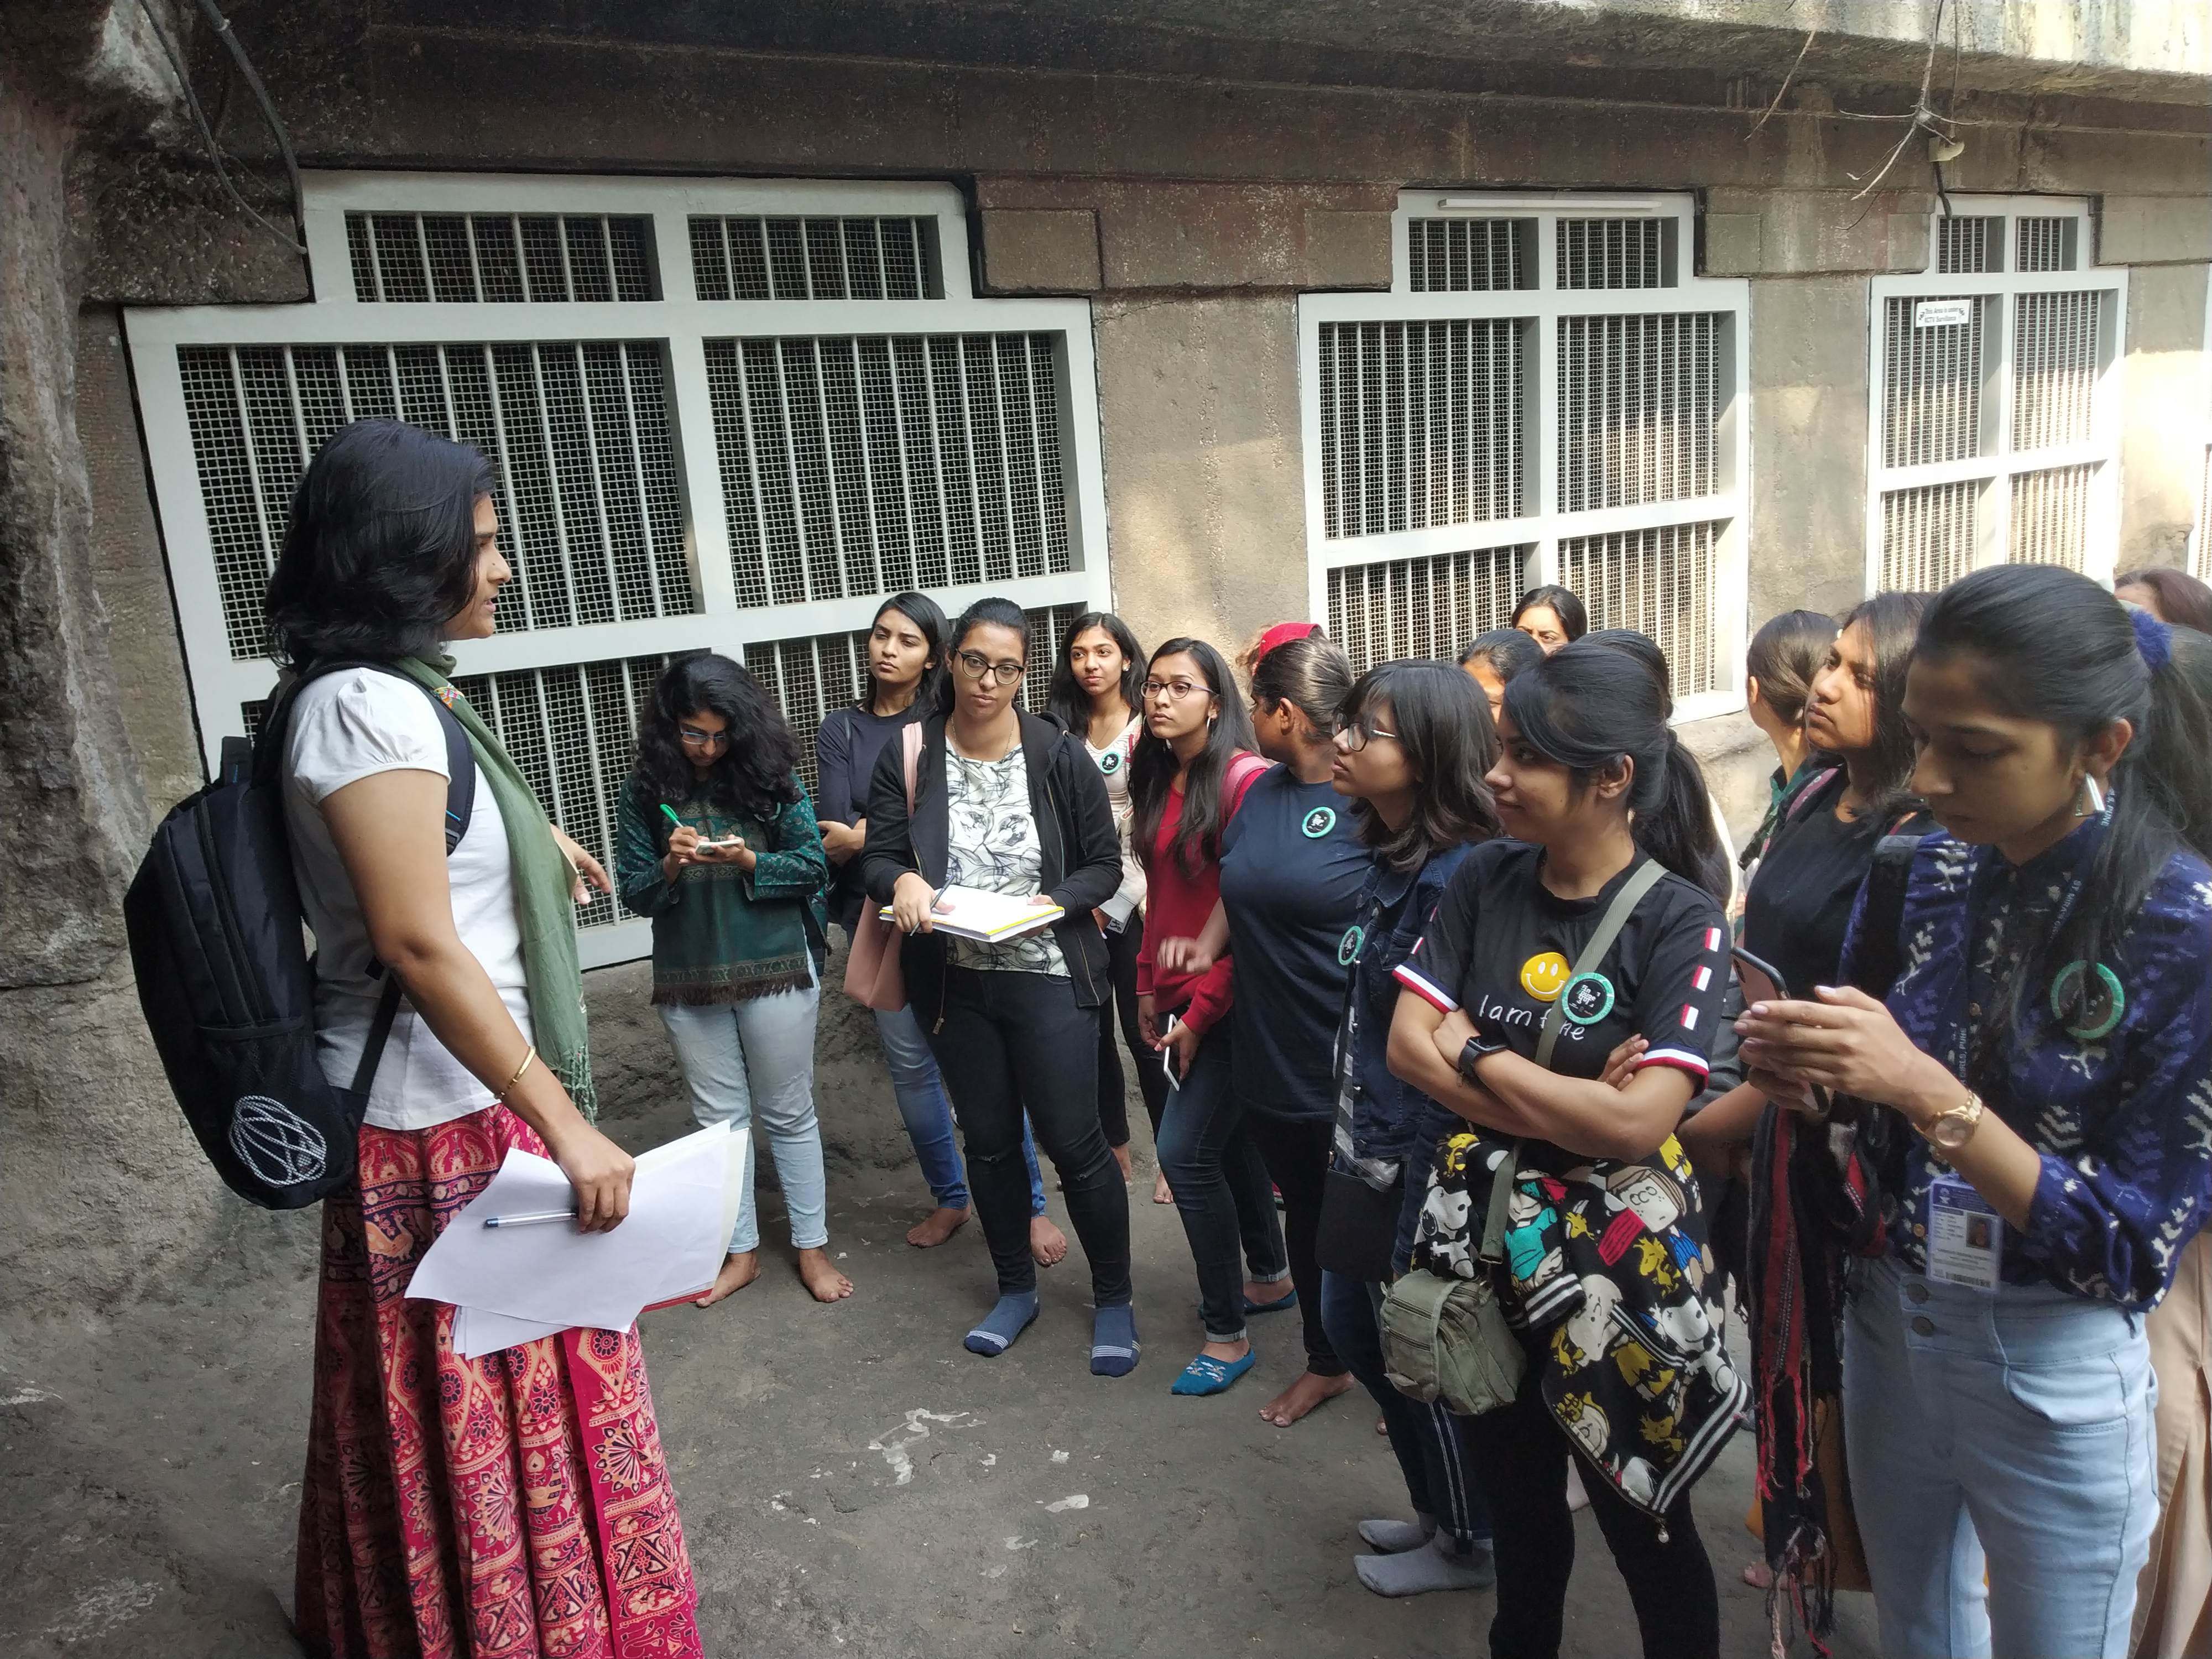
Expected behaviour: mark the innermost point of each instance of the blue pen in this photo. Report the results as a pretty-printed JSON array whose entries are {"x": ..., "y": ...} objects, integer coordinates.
[{"x": 535, "y": 1217}]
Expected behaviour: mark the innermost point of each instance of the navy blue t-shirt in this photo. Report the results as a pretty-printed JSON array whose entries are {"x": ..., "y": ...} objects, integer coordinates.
[
  {"x": 1292, "y": 866},
  {"x": 846, "y": 749}
]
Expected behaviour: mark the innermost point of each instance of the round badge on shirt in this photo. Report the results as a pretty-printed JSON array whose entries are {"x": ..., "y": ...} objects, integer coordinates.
[
  {"x": 1587, "y": 999},
  {"x": 1110, "y": 762},
  {"x": 1544, "y": 976},
  {"x": 2100, "y": 1009},
  {"x": 1319, "y": 821},
  {"x": 1347, "y": 951}
]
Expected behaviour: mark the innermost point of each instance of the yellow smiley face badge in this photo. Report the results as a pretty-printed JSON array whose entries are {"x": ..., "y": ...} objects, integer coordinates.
[{"x": 1543, "y": 976}]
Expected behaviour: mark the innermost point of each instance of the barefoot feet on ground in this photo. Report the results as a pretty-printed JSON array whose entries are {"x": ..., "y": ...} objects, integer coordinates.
[
  {"x": 1047, "y": 1242},
  {"x": 1302, "y": 1396},
  {"x": 1161, "y": 1193},
  {"x": 933, "y": 1229},
  {"x": 1759, "y": 1576},
  {"x": 1121, "y": 1156},
  {"x": 821, "y": 1280},
  {"x": 1382, "y": 1427},
  {"x": 742, "y": 1267}
]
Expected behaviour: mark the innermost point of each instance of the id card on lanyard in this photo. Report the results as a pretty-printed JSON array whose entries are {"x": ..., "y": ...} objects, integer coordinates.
[{"x": 1966, "y": 1236}]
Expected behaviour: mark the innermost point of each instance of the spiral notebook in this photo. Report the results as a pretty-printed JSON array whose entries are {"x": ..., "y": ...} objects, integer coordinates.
[{"x": 993, "y": 918}]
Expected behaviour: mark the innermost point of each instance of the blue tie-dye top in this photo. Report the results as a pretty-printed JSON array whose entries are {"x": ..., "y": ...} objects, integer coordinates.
[{"x": 2124, "y": 1120}]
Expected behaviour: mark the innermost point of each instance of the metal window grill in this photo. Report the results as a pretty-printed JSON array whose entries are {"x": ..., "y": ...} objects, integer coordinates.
[
  {"x": 2043, "y": 244},
  {"x": 1612, "y": 253},
  {"x": 754, "y": 257},
  {"x": 2054, "y": 367},
  {"x": 1420, "y": 424},
  {"x": 869, "y": 465},
  {"x": 1639, "y": 399},
  {"x": 578, "y": 433},
  {"x": 1931, "y": 385},
  {"x": 1970, "y": 246},
  {"x": 810, "y": 676},
  {"x": 1470, "y": 256},
  {"x": 1659, "y": 581},
  {"x": 2049, "y": 516},
  {"x": 457, "y": 259},
  {"x": 573, "y": 732},
  {"x": 1428, "y": 607},
  {"x": 1928, "y": 535}
]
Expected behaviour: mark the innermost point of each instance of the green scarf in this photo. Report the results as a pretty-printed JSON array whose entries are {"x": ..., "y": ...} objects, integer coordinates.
[{"x": 543, "y": 884}]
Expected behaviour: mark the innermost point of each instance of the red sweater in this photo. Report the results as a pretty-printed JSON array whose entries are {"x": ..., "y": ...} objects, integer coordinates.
[{"x": 1178, "y": 906}]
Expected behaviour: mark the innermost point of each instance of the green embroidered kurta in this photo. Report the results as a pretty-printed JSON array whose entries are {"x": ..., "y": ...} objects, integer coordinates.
[{"x": 720, "y": 933}]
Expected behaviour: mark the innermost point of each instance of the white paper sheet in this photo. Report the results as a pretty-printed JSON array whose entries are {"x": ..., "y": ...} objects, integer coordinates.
[
  {"x": 520, "y": 1282},
  {"x": 994, "y": 918}
]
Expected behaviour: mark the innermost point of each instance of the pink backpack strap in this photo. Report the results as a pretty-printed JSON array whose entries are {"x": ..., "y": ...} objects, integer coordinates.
[
  {"x": 1813, "y": 786},
  {"x": 911, "y": 758},
  {"x": 1242, "y": 770}
]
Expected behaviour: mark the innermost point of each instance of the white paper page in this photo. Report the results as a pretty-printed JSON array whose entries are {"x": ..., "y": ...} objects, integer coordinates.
[
  {"x": 674, "y": 1239},
  {"x": 478, "y": 1332},
  {"x": 970, "y": 913}
]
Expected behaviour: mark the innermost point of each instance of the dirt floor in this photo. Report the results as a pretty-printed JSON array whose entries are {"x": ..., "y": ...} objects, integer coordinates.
[{"x": 852, "y": 1481}]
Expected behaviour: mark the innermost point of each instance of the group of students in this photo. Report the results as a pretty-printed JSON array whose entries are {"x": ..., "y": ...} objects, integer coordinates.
[{"x": 1924, "y": 1073}]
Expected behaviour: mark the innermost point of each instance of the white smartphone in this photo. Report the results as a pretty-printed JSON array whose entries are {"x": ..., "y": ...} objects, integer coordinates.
[{"x": 1167, "y": 1055}]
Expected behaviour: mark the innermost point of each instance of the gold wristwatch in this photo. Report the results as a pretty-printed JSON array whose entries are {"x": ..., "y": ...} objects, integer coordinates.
[{"x": 1948, "y": 1131}]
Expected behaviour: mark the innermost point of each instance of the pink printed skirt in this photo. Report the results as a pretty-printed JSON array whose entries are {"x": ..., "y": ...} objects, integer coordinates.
[{"x": 515, "y": 1506}]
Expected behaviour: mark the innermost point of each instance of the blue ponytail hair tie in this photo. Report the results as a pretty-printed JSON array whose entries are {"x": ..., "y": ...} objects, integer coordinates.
[{"x": 2153, "y": 638}]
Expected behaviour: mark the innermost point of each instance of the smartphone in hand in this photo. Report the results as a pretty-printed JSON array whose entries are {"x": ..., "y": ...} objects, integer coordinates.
[
  {"x": 1167, "y": 1055},
  {"x": 1763, "y": 982}
]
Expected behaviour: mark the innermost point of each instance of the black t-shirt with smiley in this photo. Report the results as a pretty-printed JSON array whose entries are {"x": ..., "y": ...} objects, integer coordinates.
[{"x": 1503, "y": 946}]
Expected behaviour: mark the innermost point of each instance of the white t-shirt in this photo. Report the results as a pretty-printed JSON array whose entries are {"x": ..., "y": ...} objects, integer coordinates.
[
  {"x": 349, "y": 725},
  {"x": 1112, "y": 765}
]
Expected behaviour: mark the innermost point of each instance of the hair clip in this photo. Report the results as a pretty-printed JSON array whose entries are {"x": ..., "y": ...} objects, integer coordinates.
[{"x": 2153, "y": 639}]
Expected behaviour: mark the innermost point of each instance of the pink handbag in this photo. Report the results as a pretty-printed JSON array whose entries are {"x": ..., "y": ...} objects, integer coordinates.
[{"x": 874, "y": 976}]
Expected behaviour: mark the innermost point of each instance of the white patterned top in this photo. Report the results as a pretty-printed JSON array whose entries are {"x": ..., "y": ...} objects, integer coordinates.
[{"x": 994, "y": 848}]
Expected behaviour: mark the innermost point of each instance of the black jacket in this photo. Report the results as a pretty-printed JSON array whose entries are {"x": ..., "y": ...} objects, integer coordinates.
[{"x": 1082, "y": 855}]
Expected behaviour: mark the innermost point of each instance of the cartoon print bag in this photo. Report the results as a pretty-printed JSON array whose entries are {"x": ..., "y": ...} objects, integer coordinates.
[{"x": 1446, "y": 1336}]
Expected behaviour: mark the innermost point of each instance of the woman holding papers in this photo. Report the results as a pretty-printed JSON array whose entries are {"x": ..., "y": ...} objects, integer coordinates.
[
  {"x": 1192, "y": 768},
  {"x": 1009, "y": 803},
  {"x": 422, "y": 1467},
  {"x": 717, "y": 845}
]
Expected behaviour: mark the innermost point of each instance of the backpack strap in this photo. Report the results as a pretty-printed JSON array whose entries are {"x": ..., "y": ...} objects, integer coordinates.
[
  {"x": 910, "y": 759},
  {"x": 1649, "y": 874},
  {"x": 1881, "y": 955}
]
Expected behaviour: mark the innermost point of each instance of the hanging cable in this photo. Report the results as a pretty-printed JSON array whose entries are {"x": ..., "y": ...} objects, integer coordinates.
[{"x": 172, "y": 52}]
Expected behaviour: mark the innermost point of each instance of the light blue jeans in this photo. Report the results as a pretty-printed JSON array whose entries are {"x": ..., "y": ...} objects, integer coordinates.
[
  {"x": 2011, "y": 1430},
  {"x": 927, "y": 1113},
  {"x": 740, "y": 1058}
]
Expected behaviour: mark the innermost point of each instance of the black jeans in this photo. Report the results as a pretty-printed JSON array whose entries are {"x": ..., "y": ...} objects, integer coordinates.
[
  {"x": 1297, "y": 1151},
  {"x": 1221, "y": 1187},
  {"x": 1010, "y": 1041},
  {"x": 1521, "y": 1453},
  {"x": 1121, "y": 950}
]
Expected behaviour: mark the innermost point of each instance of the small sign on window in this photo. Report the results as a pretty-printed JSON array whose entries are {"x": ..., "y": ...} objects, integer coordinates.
[{"x": 1942, "y": 313}]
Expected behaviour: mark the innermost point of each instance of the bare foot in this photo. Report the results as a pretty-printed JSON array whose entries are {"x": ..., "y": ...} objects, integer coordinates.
[
  {"x": 1047, "y": 1242},
  {"x": 739, "y": 1271},
  {"x": 1121, "y": 1156},
  {"x": 1382, "y": 1427},
  {"x": 1161, "y": 1193},
  {"x": 933, "y": 1229},
  {"x": 823, "y": 1281},
  {"x": 1302, "y": 1396},
  {"x": 1759, "y": 1576},
  {"x": 1266, "y": 1295}
]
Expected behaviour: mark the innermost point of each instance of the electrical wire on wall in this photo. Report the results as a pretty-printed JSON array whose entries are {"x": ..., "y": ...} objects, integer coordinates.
[{"x": 172, "y": 51}]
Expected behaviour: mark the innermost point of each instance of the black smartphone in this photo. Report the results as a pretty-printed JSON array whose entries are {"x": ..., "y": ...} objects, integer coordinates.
[{"x": 1763, "y": 982}]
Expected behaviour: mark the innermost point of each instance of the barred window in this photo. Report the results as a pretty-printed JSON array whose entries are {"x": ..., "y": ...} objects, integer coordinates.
[{"x": 842, "y": 420}]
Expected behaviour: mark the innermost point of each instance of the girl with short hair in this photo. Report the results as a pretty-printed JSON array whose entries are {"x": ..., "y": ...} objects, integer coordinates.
[
  {"x": 1492, "y": 659},
  {"x": 1552, "y": 616}
]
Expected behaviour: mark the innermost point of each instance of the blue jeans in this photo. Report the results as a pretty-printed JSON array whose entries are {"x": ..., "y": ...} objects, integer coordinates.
[
  {"x": 1221, "y": 1189},
  {"x": 740, "y": 1058},
  {"x": 1431, "y": 1454},
  {"x": 2011, "y": 1430},
  {"x": 927, "y": 1115}
]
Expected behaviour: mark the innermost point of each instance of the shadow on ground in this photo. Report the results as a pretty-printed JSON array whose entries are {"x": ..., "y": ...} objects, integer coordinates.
[{"x": 852, "y": 1481}]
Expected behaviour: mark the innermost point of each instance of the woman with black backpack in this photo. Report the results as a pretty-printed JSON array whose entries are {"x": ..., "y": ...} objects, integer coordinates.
[{"x": 422, "y": 1465}]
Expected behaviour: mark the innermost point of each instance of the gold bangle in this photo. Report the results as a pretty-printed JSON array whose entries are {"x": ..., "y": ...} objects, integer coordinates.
[{"x": 502, "y": 1095}]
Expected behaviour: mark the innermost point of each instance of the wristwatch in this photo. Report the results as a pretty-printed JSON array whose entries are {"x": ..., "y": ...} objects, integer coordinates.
[
  {"x": 1948, "y": 1131},
  {"x": 1478, "y": 1047}
]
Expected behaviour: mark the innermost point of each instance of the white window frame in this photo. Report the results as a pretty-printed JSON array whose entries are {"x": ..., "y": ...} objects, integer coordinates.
[
  {"x": 1543, "y": 307},
  {"x": 1996, "y": 469},
  {"x": 2199, "y": 562},
  {"x": 221, "y": 685}
]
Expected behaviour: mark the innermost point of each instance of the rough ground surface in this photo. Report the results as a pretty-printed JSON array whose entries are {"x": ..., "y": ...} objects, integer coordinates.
[{"x": 852, "y": 1481}]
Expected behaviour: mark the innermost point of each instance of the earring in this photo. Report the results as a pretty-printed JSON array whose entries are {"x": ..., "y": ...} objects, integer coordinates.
[{"x": 2093, "y": 795}]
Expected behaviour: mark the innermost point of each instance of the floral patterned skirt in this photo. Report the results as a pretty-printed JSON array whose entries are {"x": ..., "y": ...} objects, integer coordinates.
[{"x": 513, "y": 1506}]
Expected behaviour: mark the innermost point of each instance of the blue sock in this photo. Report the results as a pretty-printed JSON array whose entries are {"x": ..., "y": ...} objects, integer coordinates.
[
  {"x": 1005, "y": 1322},
  {"x": 1114, "y": 1344}
]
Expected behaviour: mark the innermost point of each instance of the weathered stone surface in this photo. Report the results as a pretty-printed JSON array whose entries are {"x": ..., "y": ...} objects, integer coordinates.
[
  {"x": 2139, "y": 230},
  {"x": 1814, "y": 233},
  {"x": 1040, "y": 250},
  {"x": 2161, "y": 451},
  {"x": 1348, "y": 249}
]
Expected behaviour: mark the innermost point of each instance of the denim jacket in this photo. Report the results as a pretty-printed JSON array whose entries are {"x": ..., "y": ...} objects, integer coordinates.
[{"x": 1385, "y": 1116}]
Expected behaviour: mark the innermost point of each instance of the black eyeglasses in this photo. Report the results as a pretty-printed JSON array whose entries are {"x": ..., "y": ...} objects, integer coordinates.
[
  {"x": 975, "y": 665},
  {"x": 1176, "y": 691},
  {"x": 692, "y": 734},
  {"x": 1354, "y": 737}
]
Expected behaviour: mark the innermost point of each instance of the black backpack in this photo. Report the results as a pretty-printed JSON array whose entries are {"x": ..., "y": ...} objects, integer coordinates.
[{"x": 217, "y": 941}]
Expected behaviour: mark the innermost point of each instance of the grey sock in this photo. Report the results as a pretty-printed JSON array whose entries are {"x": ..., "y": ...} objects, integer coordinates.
[
  {"x": 1395, "y": 1537},
  {"x": 1437, "y": 1565}
]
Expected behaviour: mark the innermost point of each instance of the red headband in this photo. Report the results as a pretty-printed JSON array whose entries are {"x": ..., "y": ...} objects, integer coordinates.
[{"x": 1283, "y": 634}]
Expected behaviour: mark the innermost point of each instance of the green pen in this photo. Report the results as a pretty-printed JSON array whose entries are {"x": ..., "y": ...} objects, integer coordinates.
[{"x": 672, "y": 818}]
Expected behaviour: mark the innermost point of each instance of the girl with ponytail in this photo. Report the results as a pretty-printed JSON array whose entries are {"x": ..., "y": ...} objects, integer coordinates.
[
  {"x": 1686, "y": 833},
  {"x": 2048, "y": 1042}
]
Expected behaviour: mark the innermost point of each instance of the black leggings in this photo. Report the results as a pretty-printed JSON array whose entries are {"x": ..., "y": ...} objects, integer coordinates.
[
  {"x": 1008, "y": 1040},
  {"x": 1295, "y": 1151},
  {"x": 1520, "y": 1454},
  {"x": 1152, "y": 1081}
]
